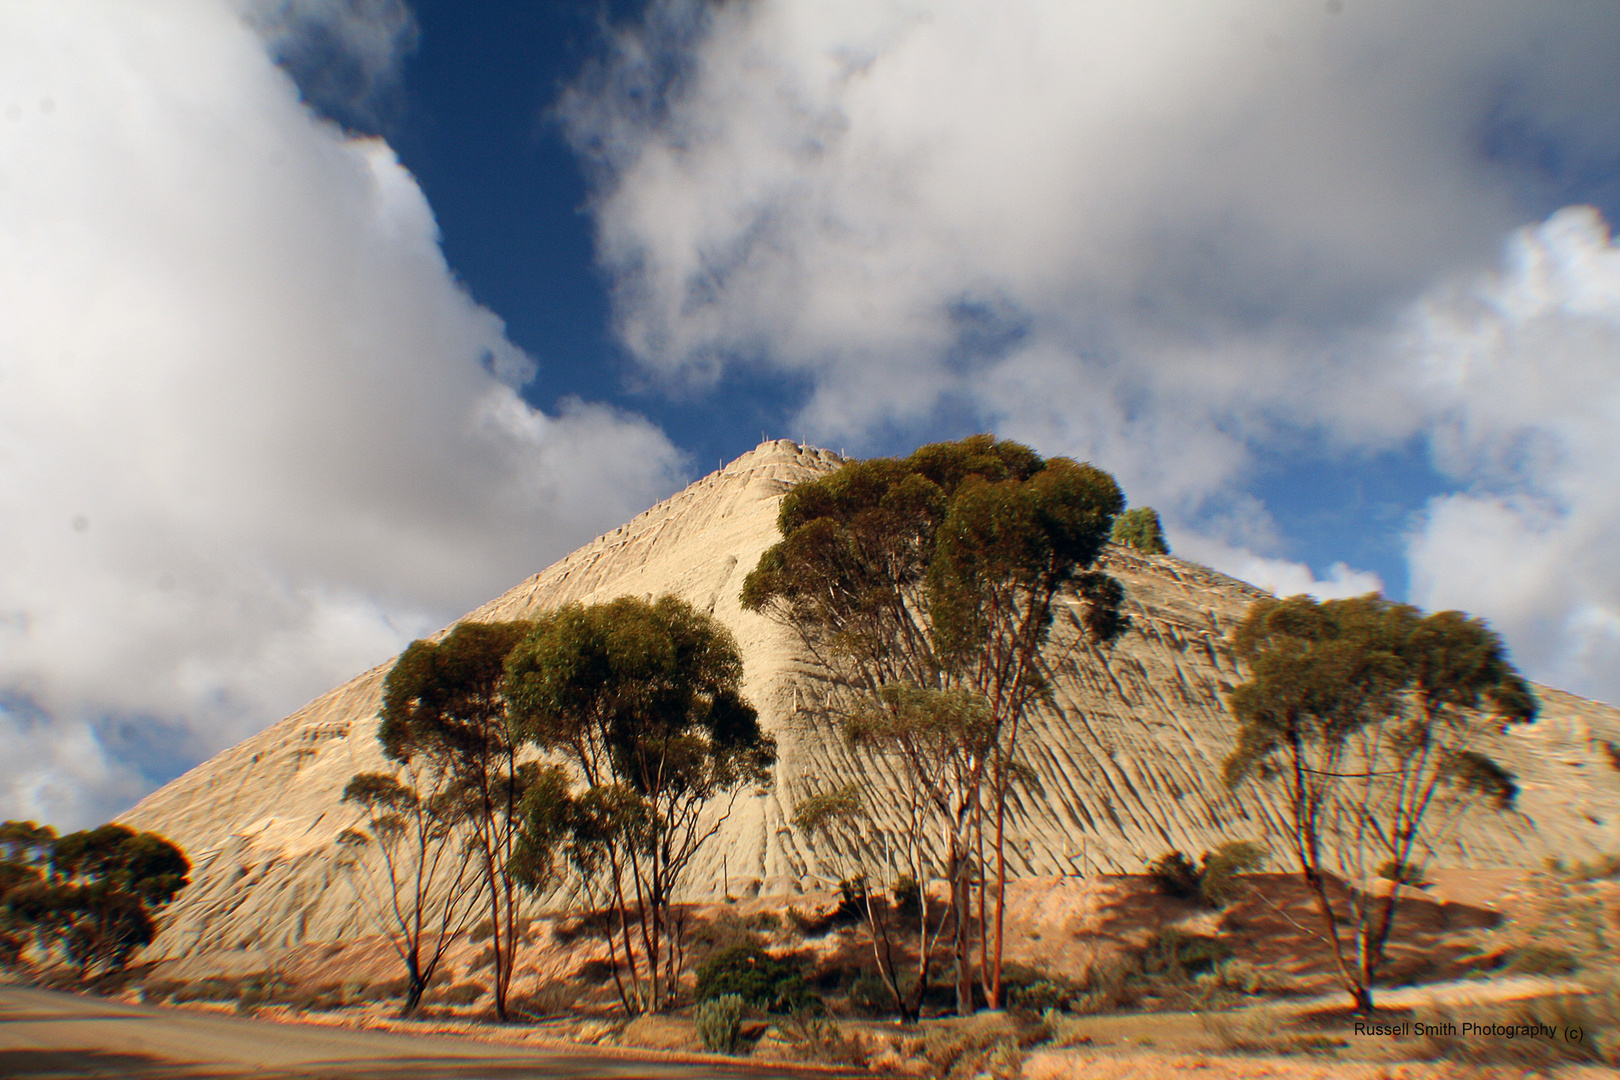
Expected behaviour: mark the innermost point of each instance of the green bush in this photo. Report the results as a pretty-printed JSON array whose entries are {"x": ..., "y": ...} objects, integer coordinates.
[
  {"x": 1405, "y": 873},
  {"x": 760, "y": 979},
  {"x": 1039, "y": 997},
  {"x": 1218, "y": 883},
  {"x": 1140, "y": 528},
  {"x": 1178, "y": 955},
  {"x": 1213, "y": 884},
  {"x": 1034, "y": 991},
  {"x": 1176, "y": 875},
  {"x": 719, "y": 1023}
]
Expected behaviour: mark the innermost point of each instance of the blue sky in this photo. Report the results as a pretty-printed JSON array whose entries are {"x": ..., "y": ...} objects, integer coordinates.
[{"x": 323, "y": 321}]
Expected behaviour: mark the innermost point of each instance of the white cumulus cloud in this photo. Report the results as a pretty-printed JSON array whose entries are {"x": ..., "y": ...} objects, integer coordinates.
[
  {"x": 253, "y": 435},
  {"x": 1161, "y": 236},
  {"x": 1521, "y": 369}
]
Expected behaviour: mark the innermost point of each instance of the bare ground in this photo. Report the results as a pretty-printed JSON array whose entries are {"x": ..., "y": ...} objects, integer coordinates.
[{"x": 1064, "y": 927}]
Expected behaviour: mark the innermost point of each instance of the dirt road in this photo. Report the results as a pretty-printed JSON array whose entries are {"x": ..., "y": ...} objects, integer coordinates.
[{"x": 46, "y": 1036}]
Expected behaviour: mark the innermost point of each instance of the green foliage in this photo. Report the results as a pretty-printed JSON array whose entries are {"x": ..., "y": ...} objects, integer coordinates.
[
  {"x": 1324, "y": 671},
  {"x": 1178, "y": 955},
  {"x": 760, "y": 979},
  {"x": 444, "y": 707},
  {"x": 927, "y": 586},
  {"x": 643, "y": 701},
  {"x": 813, "y": 1036},
  {"x": 719, "y": 1024},
  {"x": 1368, "y": 714},
  {"x": 1213, "y": 884},
  {"x": 1141, "y": 529},
  {"x": 444, "y": 698},
  {"x": 1176, "y": 876},
  {"x": 90, "y": 895},
  {"x": 1218, "y": 883},
  {"x": 1405, "y": 873}
]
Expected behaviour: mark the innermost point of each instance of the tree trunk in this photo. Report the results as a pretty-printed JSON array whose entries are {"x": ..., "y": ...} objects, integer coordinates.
[
  {"x": 415, "y": 986},
  {"x": 961, "y": 937},
  {"x": 993, "y": 993}
]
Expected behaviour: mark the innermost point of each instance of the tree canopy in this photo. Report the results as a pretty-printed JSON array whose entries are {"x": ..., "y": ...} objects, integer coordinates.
[
  {"x": 90, "y": 896},
  {"x": 444, "y": 701},
  {"x": 936, "y": 574},
  {"x": 644, "y": 700},
  {"x": 1374, "y": 720},
  {"x": 1140, "y": 528}
]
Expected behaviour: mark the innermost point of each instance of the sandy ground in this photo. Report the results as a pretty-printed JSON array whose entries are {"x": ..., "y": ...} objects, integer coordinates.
[
  {"x": 1059, "y": 925},
  {"x": 46, "y": 1034}
]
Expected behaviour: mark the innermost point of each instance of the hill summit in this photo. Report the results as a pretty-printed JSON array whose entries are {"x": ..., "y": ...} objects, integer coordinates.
[{"x": 1126, "y": 761}]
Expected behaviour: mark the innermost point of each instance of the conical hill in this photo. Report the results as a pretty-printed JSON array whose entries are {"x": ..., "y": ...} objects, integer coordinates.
[{"x": 1126, "y": 766}]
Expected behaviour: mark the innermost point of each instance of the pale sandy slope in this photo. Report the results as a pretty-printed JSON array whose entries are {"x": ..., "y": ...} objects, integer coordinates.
[{"x": 1126, "y": 766}]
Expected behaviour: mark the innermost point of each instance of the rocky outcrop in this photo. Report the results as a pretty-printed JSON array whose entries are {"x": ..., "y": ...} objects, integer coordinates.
[{"x": 1125, "y": 765}]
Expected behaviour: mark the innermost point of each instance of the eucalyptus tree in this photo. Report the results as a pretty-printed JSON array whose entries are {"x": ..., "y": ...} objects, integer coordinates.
[
  {"x": 1372, "y": 720},
  {"x": 431, "y": 884},
  {"x": 840, "y": 819},
  {"x": 642, "y": 701},
  {"x": 925, "y": 585},
  {"x": 1140, "y": 528},
  {"x": 90, "y": 896},
  {"x": 443, "y": 706}
]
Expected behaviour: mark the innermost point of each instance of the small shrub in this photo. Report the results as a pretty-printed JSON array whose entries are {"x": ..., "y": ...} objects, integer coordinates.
[
  {"x": 325, "y": 998},
  {"x": 599, "y": 924},
  {"x": 208, "y": 990},
  {"x": 1238, "y": 976},
  {"x": 259, "y": 990},
  {"x": 1042, "y": 996},
  {"x": 760, "y": 979},
  {"x": 1006, "y": 1060},
  {"x": 549, "y": 999},
  {"x": 1405, "y": 873},
  {"x": 160, "y": 990},
  {"x": 1033, "y": 991},
  {"x": 1218, "y": 883},
  {"x": 719, "y": 1023},
  {"x": 812, "y": 1036},
  {"x": 1108, "y": 985},
  {"x": 906, "y": 897},
  {"x": 1176, "y": 876},
  {"x": 1215, "y": 883},
  {"x": 1178, "y": 955},
  {"x": 869, "y": 996},
  {"x": 763, "y": 922},
  {"x": 725, "y": 931}
]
